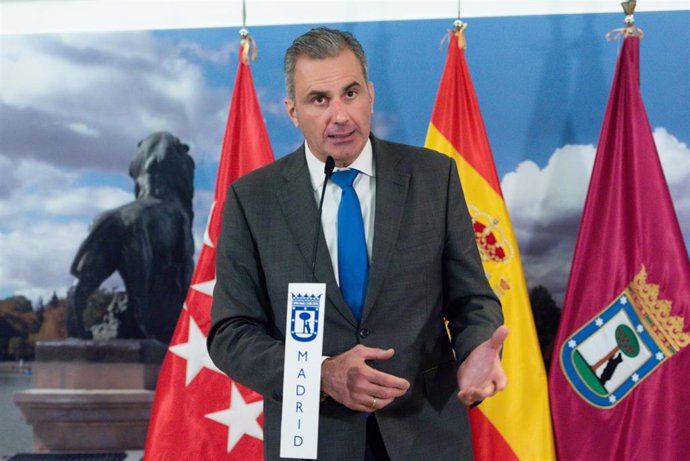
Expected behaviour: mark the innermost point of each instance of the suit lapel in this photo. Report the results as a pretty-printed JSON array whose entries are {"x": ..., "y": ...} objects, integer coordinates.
[
  {"x": 391, "y": 195},
  {"x": 296, "y": 199}
]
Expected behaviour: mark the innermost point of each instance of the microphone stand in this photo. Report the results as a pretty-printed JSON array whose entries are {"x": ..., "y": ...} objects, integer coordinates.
[{"x": 328, "y": 171}]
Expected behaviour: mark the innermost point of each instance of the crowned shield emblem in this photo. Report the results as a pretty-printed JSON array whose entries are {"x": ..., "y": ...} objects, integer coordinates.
[
  {"x": 617, "y": 349},
  {"x": 304, "y": 318}
]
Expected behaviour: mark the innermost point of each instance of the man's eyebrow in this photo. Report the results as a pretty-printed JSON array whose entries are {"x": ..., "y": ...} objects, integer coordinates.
[
  {"x": 324, "y": 94},
  {"x": 352, "y": 85},
  {"x": 316, "y": 94}
]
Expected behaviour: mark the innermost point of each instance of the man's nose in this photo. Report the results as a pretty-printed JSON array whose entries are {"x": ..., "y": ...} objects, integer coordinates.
[{"x": 339, "y": 112}]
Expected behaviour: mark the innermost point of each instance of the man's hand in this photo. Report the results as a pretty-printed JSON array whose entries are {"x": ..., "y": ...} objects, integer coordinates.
[
  {"x": 349, "y": 380},
  {"x": 481, "y": 375}
]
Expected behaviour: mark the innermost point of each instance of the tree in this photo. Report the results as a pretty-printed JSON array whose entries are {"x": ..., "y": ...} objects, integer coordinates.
[{"x": 546, "y": 317}]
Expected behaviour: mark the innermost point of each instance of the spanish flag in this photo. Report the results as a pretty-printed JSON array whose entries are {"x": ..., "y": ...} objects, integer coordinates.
[{"x": 515, "y": 424}]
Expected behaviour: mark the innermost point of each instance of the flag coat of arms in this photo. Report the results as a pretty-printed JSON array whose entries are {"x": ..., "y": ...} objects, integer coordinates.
[
  {"x": 515, "y": 424},
  {"x": 618, "y": 382},
  {"x": 198, "y": 412}
]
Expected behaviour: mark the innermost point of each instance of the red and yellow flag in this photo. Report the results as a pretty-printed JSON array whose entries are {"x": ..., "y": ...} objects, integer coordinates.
[
  {"x": 198, "y": 412},
  {"x": 516, "y": 423}
]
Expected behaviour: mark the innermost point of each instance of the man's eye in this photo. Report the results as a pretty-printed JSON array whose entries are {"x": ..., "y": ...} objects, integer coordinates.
[
  {"x": 319, "y": 100},
  {"x": 351, "y": 94}
]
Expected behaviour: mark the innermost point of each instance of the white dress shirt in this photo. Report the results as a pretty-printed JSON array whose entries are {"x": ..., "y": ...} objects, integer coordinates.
[{"x": 365, "y": 187}]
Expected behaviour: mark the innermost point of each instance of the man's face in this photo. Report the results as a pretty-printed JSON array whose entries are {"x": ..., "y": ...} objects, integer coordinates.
[{"x": 332, "y": 106}]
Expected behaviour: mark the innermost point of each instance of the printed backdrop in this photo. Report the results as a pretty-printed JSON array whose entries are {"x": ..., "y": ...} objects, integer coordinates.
[{"x": 74, "y": 106}]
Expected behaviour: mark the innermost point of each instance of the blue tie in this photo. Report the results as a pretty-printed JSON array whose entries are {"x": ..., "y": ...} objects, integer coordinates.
[{"x": 353, "y": 263}]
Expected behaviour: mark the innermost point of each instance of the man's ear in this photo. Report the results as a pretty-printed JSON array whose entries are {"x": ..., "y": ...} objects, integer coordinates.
[
  {"x": 371, "y": 95},
  {"x": 291, "y": 110}
]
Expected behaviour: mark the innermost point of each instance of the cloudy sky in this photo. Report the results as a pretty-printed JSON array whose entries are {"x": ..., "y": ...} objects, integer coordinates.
[
  {"x": 73, "y": 107},
  {"x": 546, "y": 205}
]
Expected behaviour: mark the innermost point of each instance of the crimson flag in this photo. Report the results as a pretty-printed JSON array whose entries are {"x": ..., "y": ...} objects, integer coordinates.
[
  {"x": 618, "y": 383},
  {"x": 198, "y": 412}
]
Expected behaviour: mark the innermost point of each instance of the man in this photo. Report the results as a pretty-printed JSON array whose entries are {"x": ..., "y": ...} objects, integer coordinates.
[{"x": 392, "y": 374}]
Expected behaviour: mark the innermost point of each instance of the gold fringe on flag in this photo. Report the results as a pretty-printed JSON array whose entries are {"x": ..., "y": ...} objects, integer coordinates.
[{"x": 248, "y": 44}]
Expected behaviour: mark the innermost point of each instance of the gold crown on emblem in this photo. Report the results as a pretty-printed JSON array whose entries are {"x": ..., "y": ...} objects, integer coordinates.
[
  {"x": 655, "y": 313},
  {"x": 492, "y": 244}
]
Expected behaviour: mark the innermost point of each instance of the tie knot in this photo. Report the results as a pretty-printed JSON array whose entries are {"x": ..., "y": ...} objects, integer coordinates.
[{"x": 344, "y": 178}]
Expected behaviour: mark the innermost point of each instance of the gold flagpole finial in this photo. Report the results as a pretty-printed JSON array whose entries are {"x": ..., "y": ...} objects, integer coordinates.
[
  {"x": 630, "y": 29},
  {"x": 459, "y": 27},
  {"x": 629, "y": 9},
  {"x": 248, "y": 44}
]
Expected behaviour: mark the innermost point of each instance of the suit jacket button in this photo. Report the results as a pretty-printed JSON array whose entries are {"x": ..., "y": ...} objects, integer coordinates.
[{"x": 363, "y": 333}]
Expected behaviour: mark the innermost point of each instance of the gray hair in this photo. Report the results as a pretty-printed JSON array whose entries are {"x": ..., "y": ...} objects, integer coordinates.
[{"x": 321, "y": 43}]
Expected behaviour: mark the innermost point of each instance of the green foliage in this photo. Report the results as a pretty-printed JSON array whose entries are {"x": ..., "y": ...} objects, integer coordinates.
[
  {"x": 19, "y": 324},
  {"x": 21, "y": 303},
  {"x": 16, "y": 347}
]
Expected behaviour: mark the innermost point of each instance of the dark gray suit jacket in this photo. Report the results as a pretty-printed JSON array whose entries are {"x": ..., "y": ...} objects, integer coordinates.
[{"x": 425, "y": 266}]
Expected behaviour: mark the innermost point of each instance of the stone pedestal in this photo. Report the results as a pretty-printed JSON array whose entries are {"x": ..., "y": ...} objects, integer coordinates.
[{"x": 91, "y": 395}]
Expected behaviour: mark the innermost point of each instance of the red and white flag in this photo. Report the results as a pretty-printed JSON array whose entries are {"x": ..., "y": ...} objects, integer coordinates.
[{"x": 198, "y": 412}]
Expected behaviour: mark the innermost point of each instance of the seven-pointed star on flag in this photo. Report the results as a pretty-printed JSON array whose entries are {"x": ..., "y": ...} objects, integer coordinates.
[
  {"x": 240, "y": 417},
  {"x": 194, "y": 351}
]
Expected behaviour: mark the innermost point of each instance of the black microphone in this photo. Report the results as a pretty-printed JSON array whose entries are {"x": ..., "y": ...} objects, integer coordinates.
[{"x": 328, "y": 171}]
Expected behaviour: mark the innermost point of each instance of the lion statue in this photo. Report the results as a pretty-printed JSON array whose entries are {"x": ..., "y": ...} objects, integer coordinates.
[{"x": 148, "y": 241}]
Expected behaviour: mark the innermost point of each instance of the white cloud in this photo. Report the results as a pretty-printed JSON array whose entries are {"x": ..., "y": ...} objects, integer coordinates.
[
  {"x": 86, "y": 200},
  {"x": 221, "y": 56},
  {"x": 82, "y": 128},
  {"x": 33, "y": 173},
  {"x": 35, "y": 259},
  {"x": 546, "y": 205},
  {"x": 536, "y": 195},
  {"x": 94, "y": 96},
  {"x": 40, "y": 191},
  {"x": 45, "y": 217},
  {"x": 675, "y": 159}
]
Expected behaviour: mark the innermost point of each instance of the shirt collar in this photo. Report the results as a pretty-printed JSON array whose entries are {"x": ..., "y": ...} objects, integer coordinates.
[{"x": 364, "y": 163}]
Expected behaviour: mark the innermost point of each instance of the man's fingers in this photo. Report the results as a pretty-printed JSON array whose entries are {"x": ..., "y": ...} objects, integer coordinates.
[
  {"x": 370, "y": 404},
  {"x": 388, "y": 381},
  {"x": 351, "y": 379},
  {"x": 379, "y": 404},
  {"x": 377, "y": 383},
  {"x": 501, "y": 382},
  {"x": 468, "y": 397},
  {"x": 488, "y": 391},
  {"x": 498, "y": 337},
  {"x": 374, "y": 353},
  {"x": 377, "y": 377},
  {"x": 386, "y": 392}
]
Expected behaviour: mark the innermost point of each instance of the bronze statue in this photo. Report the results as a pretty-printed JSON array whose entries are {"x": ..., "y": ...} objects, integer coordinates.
[{"x": 148, "y": 241}]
